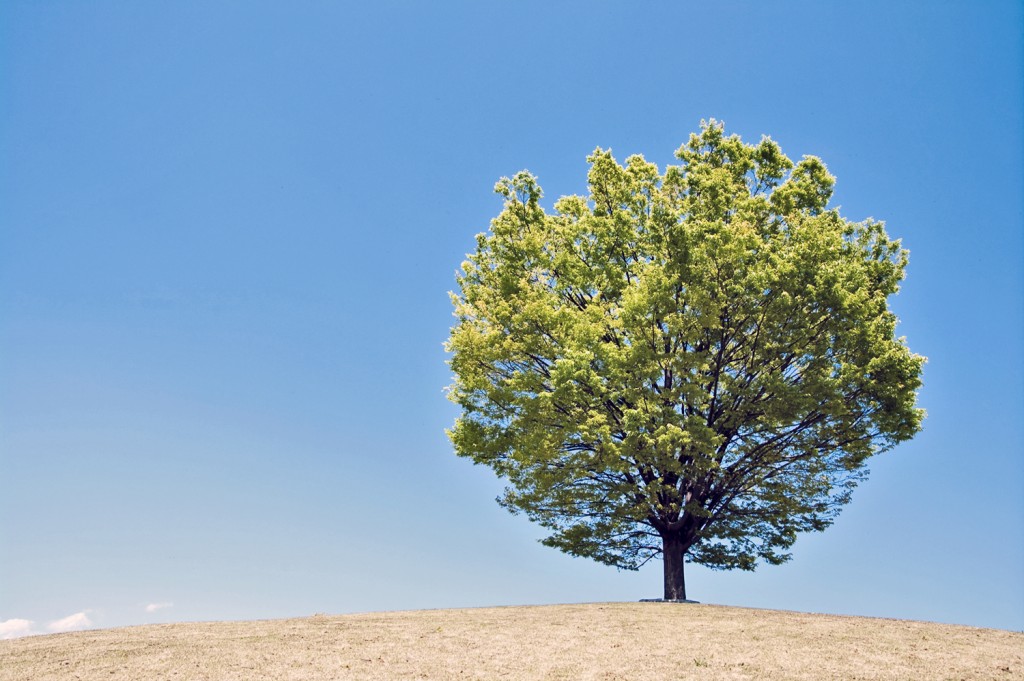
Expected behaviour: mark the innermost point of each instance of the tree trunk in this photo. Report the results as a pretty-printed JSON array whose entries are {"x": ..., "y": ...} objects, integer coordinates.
[{"x": 673, "y": 552}]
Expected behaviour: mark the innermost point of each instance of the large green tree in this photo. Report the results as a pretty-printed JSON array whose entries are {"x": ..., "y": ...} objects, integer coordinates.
[{"x": 694, "y": 363}]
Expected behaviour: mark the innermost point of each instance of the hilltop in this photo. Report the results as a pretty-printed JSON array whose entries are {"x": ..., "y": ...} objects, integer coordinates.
[{"x": 593, "y": 641}]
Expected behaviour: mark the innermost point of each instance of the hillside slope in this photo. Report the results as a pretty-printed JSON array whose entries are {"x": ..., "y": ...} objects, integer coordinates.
[{"x": 593, "y": 641}]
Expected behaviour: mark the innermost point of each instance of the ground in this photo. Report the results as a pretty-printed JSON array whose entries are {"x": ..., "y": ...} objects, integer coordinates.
[{"x": 592, "y": 641}]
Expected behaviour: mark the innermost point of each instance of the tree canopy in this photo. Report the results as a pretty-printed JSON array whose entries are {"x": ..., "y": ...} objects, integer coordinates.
[{"x": 689, "y": 363}]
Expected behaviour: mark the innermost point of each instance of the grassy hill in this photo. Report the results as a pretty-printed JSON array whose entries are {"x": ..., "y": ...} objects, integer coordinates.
[{"x": 593, "y": 641}]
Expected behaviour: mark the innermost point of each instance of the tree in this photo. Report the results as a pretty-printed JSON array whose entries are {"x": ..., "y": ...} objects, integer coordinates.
[{"x": 695, "y": 363}]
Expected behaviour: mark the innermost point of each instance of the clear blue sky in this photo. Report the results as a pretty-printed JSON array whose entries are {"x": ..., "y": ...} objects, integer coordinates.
[{"x": 227, "y": 234}]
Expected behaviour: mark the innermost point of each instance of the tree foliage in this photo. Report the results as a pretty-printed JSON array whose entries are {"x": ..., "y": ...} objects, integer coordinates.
[{"x": 704, "y": 353}]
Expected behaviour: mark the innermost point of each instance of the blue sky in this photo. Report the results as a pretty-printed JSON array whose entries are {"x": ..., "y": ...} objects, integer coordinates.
[{"x": 227, "y": 234}]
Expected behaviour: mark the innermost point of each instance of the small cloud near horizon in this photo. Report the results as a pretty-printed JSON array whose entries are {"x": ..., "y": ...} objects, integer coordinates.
[
  {"x": 16, "y": 628},
  {"x": 153, "y": 607},
  {"x": 79, "y": 620}
]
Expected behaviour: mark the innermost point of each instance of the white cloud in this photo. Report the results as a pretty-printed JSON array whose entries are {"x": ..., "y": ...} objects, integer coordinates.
[
  {"x": 70, "y": 623},
  {"x": 153, "y": 607},
  {"x": 16, "y": 629}
]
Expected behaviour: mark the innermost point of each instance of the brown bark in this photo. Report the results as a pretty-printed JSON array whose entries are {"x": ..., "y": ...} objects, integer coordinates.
[{"x": 673, "y": 554}]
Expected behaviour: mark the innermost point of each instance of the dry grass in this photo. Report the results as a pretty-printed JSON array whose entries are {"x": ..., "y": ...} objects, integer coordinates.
[{"x": 598, "y": 641}]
